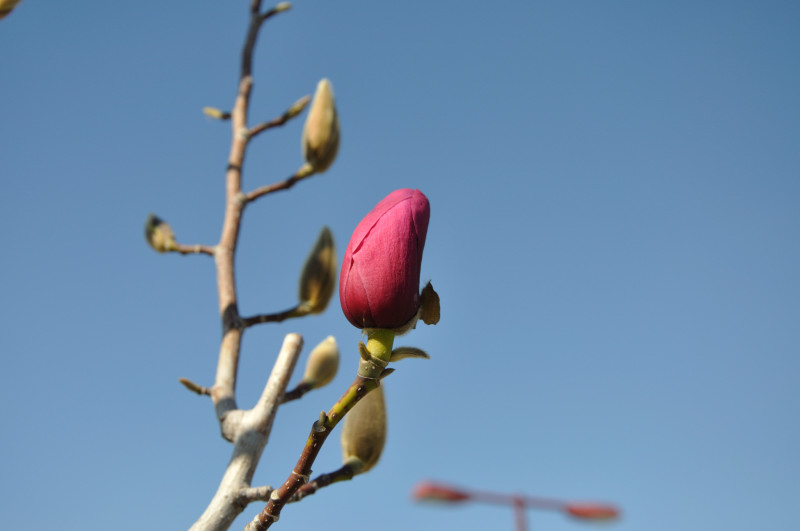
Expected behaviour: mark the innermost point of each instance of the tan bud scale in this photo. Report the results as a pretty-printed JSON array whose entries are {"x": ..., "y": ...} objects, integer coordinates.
[
  {"x": 6, "y": 6},
  {"x": 364, "y": 432},
  {"x": 159, "y": 234},
  {"x": 318, "y": 279},
  {"x": 322, "y": 364},
  {"x": 321, "y": 130}
]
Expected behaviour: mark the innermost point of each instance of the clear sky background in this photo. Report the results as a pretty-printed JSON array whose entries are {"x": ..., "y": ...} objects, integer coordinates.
[{"x": 614, "y": 189}]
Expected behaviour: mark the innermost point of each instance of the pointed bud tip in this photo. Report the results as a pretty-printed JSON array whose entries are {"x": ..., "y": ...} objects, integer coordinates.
[
  {"x": 318, "y": 278},
  {"x": 320, "y": 141}
]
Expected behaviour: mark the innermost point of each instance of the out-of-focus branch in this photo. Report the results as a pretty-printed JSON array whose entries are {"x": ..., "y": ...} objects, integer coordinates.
[
  {"x": 195, "y": 388},
  {"x": 248, "y": 430},
  {"x": 297, "y": 311},
  {"x": 250, "y": 438},
  {"x": 290, "y": 113},
  {"x": 194, "y": 249},
  {"x": 319, "y": 433},
  {"x": 305, "y": 171}
]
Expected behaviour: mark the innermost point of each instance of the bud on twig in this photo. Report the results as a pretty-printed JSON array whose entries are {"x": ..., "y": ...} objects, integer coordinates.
[
  {"x": 318, "y": 278},
  {"x": 379, "y": 284},
  {"x": 6, "y": 6},
  {"x": 213, "y": 112},
  {"x": 159, "y": 234},
  {"x": 321, "y": 131},
  {"x": 364, "y": 432},
  {"x": 322, "y": 364}
]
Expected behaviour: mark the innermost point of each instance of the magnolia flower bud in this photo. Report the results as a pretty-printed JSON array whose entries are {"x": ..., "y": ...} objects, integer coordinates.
[
  {"x": 159, "y": 234},
  {"x": 321, "y": 131},
  {"x": 6, "y": 6},
  {"x": 379, "y": 282},
  {"x": 364, "y": 432},
  {"x": 318, "y": 278},
  {"x": 322, "y": 364}
]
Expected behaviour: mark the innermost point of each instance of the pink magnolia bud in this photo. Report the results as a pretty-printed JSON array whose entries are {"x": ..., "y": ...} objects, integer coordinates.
[
  {"x": 592, "y": 511},
  {"x": 427, "y": 491},
  {"x": 379, "y": 284}
]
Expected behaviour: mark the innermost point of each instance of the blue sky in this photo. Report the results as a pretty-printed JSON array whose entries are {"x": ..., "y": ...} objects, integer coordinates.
[{"x": 614, "y": 193}]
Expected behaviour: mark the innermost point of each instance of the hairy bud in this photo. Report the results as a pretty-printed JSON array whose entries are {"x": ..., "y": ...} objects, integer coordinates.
[
  {"x": 322, "y": 364},
  {"x": 364, "y": 432},
  {"x": 159, "y": 234},
  {"x": 321, "y": 131},
  {"x": 318, "y": 279},
  {"x": 6, "y": 6}
]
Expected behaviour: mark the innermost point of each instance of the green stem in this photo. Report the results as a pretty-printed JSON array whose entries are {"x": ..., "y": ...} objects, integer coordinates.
[{"x": 379, "y": 343}]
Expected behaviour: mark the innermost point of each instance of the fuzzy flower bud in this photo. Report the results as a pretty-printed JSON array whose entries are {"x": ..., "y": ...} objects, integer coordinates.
[
  {"x": 364, "y": 432},
  {"x": 159, "y": 234},
  {"x": 321, "y": 131},
  {"x": 318, "y": 278},
  {"x": 379, "y": 282},
  {"x": 323, "y": 362},
  {"x": 6, "y": 6}
]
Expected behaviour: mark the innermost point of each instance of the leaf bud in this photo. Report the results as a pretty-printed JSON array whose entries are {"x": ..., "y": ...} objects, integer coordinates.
[
  {"x": 159, "y": 234},
  {"x": 364, "y": 432},
  {"x": 322, "y": 364},
  {"x": 318, "y": 279},
  {"x": 6, "y": 6},
  {"x": 321, "y": 131}
]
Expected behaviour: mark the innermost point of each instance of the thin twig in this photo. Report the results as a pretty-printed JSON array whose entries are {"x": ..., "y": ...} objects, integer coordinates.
[
  {"x": 194, "y": 249},
  {"x": 305, "y": 171},
  {"x": 345, "y": 473},
  {"x": 290, "y": 113},
  {"x": 195, "y": 388},
  {"x": 297, "y": 393},
  {"x": 273, "y": 317},
  {"x": 319, "y": 433}
]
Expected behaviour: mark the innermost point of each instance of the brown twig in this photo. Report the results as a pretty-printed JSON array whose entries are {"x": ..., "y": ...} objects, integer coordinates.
[
  {"x": 194, "y": 249},
  {"x": 319, "y": 433},
  {"x": 345, "y": 473},
  {"x": 305, "y": 171},
  {"x": 248, "y": 430},
  {"x": 195, "y": 388},
  {"x": 273, "y": 317},
  {"x": 297, "y": 393},
  {"x": 290, "y": 113}
]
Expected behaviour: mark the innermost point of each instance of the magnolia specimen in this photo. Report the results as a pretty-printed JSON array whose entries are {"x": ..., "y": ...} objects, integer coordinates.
[{"x": 393, "y": 305}]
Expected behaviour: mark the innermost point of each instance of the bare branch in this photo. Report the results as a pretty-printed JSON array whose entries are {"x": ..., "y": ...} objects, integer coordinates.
[
  {"x": 345, "y": 473},
  {"x": 290, "y": 113},
  {"x": 253, "y": 494},
  {"x": 319, "y": 433},
  {"x": 251, "y": 435},
  {"x": 263, "y": 413},
  {"x": 194, "y": 249},
  {"x": 297, "y": 311},
  {"x": 297, "y": 393},
  {"x": 305, "y": 171}
]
